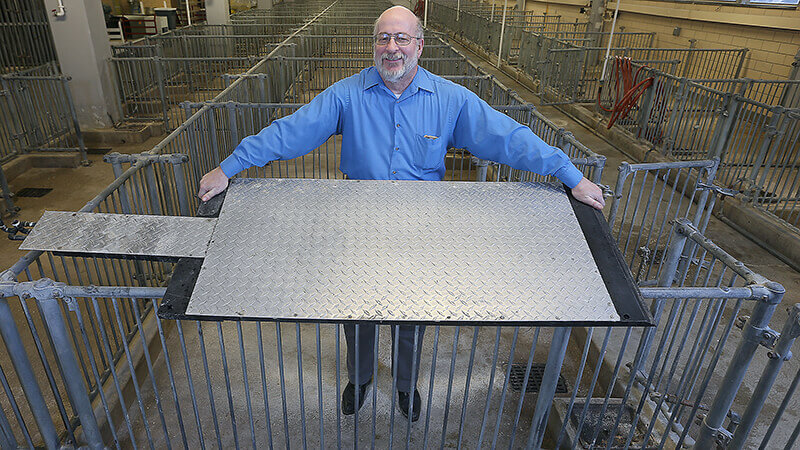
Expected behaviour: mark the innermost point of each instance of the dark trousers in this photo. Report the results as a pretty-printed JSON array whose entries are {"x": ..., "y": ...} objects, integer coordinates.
[{"x": 366, "y": 356}]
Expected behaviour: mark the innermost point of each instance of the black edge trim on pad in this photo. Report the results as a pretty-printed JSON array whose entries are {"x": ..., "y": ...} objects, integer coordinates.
[
  {"x": 184, "y": 277},
  {"x": 613, "y": 270}
]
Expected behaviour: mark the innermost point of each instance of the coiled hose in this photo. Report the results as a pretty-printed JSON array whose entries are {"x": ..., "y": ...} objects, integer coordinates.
[{"x": 631, "y": 90}]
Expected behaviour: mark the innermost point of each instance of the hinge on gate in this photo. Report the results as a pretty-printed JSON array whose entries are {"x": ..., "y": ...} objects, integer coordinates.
[
  {"x": 674, "y": 399},
  {"x": 723, "y": 437},
  {"x": 768, "y": 336},
  {"x": 719, "y": 190}
]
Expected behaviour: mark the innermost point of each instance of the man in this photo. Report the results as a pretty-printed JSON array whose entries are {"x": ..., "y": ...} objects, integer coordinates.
[{"x": 397, "y": 121}]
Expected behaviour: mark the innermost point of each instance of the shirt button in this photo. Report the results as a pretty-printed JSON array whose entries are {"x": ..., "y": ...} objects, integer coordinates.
[
  {"x": 398, "y": 125},
  {"x": 397, "y": 148},
  {"x": 394, "y": 171}
]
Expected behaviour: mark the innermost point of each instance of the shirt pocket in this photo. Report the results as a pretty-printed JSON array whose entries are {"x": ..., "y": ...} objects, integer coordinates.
[{"x": 430, "y": 152}]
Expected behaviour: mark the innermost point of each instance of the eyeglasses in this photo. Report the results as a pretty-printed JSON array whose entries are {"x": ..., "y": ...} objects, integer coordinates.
[{"x": 400, "y": 39}]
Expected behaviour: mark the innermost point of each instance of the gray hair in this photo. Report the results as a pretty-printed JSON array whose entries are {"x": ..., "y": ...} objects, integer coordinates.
[{"x": 420, "y": 30}]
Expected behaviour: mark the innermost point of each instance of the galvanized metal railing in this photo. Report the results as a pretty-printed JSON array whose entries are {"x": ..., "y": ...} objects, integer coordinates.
[
  {"x": 122, "y": 357},
  {"x": 756, "y": 142},
  {"x": 25, "y": 33},
  {"x": 572, "y": 75},
  {"x": 779, "y": 353},
  {"x": 36, "y": 114},
  {"x": 134, "y": 379}
]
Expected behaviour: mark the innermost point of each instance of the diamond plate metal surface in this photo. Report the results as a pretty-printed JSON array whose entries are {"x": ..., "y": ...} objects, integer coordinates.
[
  {"x": 399, "y": 251},
  {"x": 121, "y": 234}
]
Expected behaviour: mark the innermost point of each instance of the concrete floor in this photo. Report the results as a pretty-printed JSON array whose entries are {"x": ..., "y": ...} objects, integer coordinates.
[{"x": 72, "y": 188}]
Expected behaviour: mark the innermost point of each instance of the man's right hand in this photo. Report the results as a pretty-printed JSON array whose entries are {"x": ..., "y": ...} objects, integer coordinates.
[{"x": 212, "y": 184}]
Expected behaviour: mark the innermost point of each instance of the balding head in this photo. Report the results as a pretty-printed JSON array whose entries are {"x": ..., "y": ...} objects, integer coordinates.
[{"x": 399, "y": 16}]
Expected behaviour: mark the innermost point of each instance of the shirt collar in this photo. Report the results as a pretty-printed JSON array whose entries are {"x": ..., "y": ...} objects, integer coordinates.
[{"x": 422, "y": 80}]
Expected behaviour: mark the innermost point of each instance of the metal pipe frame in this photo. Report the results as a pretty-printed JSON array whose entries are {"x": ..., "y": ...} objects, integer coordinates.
[{"x": 133, "y": 190}]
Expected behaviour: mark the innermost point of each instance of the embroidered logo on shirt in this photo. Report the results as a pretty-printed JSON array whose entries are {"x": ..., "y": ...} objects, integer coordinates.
[{"x": 428, "y": 136}]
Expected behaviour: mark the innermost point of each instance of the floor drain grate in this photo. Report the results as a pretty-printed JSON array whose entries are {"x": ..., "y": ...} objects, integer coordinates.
[
  {"x": 517, "y": 377},
  {"x": 33, "y": 192}
]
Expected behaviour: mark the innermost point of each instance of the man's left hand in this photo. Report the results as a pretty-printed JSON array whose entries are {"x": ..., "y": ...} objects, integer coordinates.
[{"x": 589, "y": 193}]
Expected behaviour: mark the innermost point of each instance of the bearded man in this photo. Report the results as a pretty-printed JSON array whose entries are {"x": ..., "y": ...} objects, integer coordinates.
[{"x": 397, "y": 121}]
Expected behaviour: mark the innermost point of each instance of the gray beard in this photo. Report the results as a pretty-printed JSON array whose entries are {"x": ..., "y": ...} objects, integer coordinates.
[{"x": 394, "y": 76}]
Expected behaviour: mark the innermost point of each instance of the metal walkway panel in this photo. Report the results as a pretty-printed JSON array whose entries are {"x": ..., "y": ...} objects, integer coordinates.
[
  {"x": 399, "y": 251},
  {"x": 121, "y": 234}
]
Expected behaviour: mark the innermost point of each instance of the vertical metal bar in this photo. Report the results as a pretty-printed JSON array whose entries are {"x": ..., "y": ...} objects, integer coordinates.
[
  {"x": 453, "y": 357},
  {"x": 375, "y": 380},
  {"x": 152, "y": 188},
  {"x": 132, "y": 368},
  {"x": 170, "y": 374},
  {"x": 191, "y": 384},
  {"x": 7, "y": 439},
  {"x": 337, "y": 338},
  {"x": 24, "y": 370},
  {"x": 72, "y": 375},
  {"x": 300, "y": 382},
  {"x": 430, "y": 387},
  {"x": 751, "y": 337},
  {"x": 246, "y": 383},
  {"x": 490, "y": 386},
  {"x": 525, "y": 379},
  {"x": 15, "y": 409},
  {"x": 180, "y": 186},
  {"x": 780, "y": 354},
  {"x": 466, "y": 386},
  {"x": 157, "y": 61},
  {"x": 74, "y": 116},
  {"x": 547, "y": 391},
  {"x": 502, "y": 32},
  {"x": 283, "y": 383},
  {"x": 6, "y": 192},
  {"x": 264, "y": 383},
  {"x": 137, "y": 316},
  {"x": 413, "y": 387},
  {"x": 779, "y": 413},
  {"x": 211, "y": 402}
]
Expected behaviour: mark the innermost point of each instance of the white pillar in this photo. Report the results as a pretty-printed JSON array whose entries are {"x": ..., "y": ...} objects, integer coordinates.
[
  {"x": 264, "y": 4},
  {"x": 218, "y": 12},
  {"x": 83, "y": 51}
]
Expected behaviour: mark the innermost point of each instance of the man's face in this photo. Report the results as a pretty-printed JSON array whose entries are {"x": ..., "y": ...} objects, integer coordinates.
[{"x": 393, "y": 61}]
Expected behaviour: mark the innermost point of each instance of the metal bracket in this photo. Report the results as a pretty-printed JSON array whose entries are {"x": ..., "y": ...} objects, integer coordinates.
[
  {"x": 723, "y": 437},
  {"x": 72, "y": 304},
  {"x": 719, "y": 190},
  {"x": 42, "y": 289},
  {"x": 768, "y": 336}
]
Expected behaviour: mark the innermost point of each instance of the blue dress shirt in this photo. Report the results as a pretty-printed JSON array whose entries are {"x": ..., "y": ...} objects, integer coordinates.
[{"x": 389, "y": 138}]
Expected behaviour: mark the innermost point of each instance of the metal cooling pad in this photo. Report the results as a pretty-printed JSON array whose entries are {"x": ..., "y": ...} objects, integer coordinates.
[
  {"x": 399, "y": 251},
  {"x": 120, "y": 234}
]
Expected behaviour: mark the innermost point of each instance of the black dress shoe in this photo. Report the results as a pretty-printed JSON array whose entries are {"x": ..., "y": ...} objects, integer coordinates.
[
  {"x": 404, "y": 400},
  {"x": 349, "y": 397}
]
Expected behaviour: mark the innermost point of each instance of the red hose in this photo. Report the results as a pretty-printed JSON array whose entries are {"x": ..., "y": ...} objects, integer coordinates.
[
  {"x": 419, "y": 9},
  {"x": 631, "y": 90}
]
